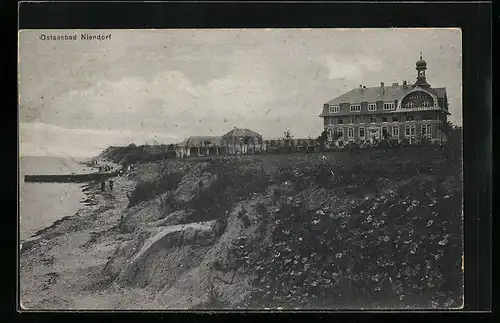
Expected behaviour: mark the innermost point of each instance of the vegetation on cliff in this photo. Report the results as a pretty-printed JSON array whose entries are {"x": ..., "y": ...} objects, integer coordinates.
[{"x": 380, "y": 228}]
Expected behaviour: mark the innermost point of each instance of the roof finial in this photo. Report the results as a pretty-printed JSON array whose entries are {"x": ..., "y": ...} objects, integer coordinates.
[{"x": 420, "y": 55}]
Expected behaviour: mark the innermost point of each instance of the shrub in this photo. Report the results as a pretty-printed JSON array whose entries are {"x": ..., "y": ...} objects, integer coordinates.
[{"x": 147, "y": 190}]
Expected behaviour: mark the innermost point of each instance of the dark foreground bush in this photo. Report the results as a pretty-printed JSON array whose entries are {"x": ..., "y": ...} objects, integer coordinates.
[
  {"x": 393, "y": 248},
  {"x": 233, "y": 184},
  {"x": 147, "y": 190}
]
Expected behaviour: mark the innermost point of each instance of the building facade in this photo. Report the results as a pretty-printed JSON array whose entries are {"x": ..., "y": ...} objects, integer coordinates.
[
  {"x": 401, "y": 112},
  {"x": 236, "y": 141}
]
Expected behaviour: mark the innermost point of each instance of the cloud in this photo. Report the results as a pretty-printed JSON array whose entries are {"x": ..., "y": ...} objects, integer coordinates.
[
  {"x": 351, "y": 67},
  {"x": 196, "y": 82},
  {"x": 40, "y": 139}
]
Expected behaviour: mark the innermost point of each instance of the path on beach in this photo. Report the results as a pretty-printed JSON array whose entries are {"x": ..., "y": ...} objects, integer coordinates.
[
  {"x": 62, "y": 267},
  {"x": 57, "y": 264}
]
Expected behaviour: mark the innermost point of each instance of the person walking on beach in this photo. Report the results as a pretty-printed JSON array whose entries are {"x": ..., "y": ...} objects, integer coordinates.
[
  {"x": 103, "y": 185},
  {"x": 111, "y": 185}
]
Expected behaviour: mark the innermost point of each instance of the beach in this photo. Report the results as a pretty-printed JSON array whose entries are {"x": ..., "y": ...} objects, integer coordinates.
[
  {"x": 38, "y": 200},
  {"x": 41, "y": 204}
]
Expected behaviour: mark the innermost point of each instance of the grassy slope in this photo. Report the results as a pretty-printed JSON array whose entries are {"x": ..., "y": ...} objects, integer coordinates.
[{"x": 379, "y": 228}]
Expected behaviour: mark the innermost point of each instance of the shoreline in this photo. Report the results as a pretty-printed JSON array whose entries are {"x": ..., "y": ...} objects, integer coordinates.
[
  {"x": 60, "y": 263},
  {"x": 40, "y": 232},
  {"x": 86, "y": 199}
]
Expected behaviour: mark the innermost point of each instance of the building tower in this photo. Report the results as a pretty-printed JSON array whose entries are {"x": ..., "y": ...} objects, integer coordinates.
[{"x": 421, "y": 67}]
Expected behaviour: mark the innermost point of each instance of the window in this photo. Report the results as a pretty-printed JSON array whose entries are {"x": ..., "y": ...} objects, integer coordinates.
[
  {"x": 362, "y": 132},
  {"x": 355, "y": 108},
  {"x": 385, "y": 131},
  {"x": 350, "y": 132},
  {"x": 373, "y": 119},
  {"x": 426, "y": 104},
  {"x": 426, "y": 131},
  {"x": 333, "y": 109},
  {"x": 341, "y": 121},
  {"x": 333, "y": 121},
  {"x": 389, "y": 106},
  {"x": 395, "y": 131},
  {"x": 340, "y": 131},
  {"x": 395, "y": 119},
  {"x": 384, "y": 119},
  {"x": 409, "y": 105},
  {"x": 372, "y": 106},
  {"x": 361, "y": 120},
  {"x": 351, "y": 120},
  {"x": 410, "y": 130},
  {"x": 410, "y": 118}
]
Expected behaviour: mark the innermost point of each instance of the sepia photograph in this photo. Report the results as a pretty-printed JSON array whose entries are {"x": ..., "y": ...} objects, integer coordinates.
[{"x": 240, "y": 169}]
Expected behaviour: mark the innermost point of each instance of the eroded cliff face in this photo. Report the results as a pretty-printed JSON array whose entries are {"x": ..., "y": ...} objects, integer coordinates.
[{"x": 293, "y": 232}]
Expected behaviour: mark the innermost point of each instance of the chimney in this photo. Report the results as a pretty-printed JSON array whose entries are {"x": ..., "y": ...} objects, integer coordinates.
[
  {"x": 382, "y": 87},
  {"x": 405, "y": 85},
  {"x": 361, "y": 87}
]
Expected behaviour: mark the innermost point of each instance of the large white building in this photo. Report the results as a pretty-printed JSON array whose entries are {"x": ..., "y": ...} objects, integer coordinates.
[{"x": 399, "y": 111}]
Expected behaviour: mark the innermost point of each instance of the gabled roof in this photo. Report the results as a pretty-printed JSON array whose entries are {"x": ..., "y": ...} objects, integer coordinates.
[
  {"x": 374, "y": 94},
  {"x": 199, "y": 141},
  {"x": 237, "y": 132}
]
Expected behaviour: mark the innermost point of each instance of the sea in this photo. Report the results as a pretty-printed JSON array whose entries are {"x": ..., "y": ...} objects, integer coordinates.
[{"x": 41, "y": 204}]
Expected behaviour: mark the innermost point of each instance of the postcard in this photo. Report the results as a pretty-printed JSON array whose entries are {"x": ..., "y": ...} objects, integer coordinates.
[{"x": 240, "y": 169}]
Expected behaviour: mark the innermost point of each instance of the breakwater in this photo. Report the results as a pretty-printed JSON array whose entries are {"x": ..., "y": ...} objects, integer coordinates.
[{"x": 69, "y": 178}]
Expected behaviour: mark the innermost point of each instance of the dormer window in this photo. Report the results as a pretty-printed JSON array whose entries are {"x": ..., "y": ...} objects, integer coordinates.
[
  {"x": 355, "y": 107},
  {"x": 409, "y": 105},
  {"x": 372, "y": 107},
  {"x": 389, "y": 106},
  {"x": 333, "y": 109}
]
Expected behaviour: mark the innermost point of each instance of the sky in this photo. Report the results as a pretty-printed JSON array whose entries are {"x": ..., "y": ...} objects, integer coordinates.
[{"x": 78, "y": 97}]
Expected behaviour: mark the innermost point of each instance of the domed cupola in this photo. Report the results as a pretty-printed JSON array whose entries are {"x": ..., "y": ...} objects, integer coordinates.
[
  {"x": 421, "y": 80},
  {"x": 421, "y": 64}
]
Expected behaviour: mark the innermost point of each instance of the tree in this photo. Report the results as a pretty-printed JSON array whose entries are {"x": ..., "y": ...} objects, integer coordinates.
[
  {"x": 446, "y": 127},
  {"x": 322, "y": 139},
  {"x": 337, "y": 136},
  {"x": 453, "y": 145},
  {"x": 272, "y": 146},
  {"x": 287, "y": 139}
]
